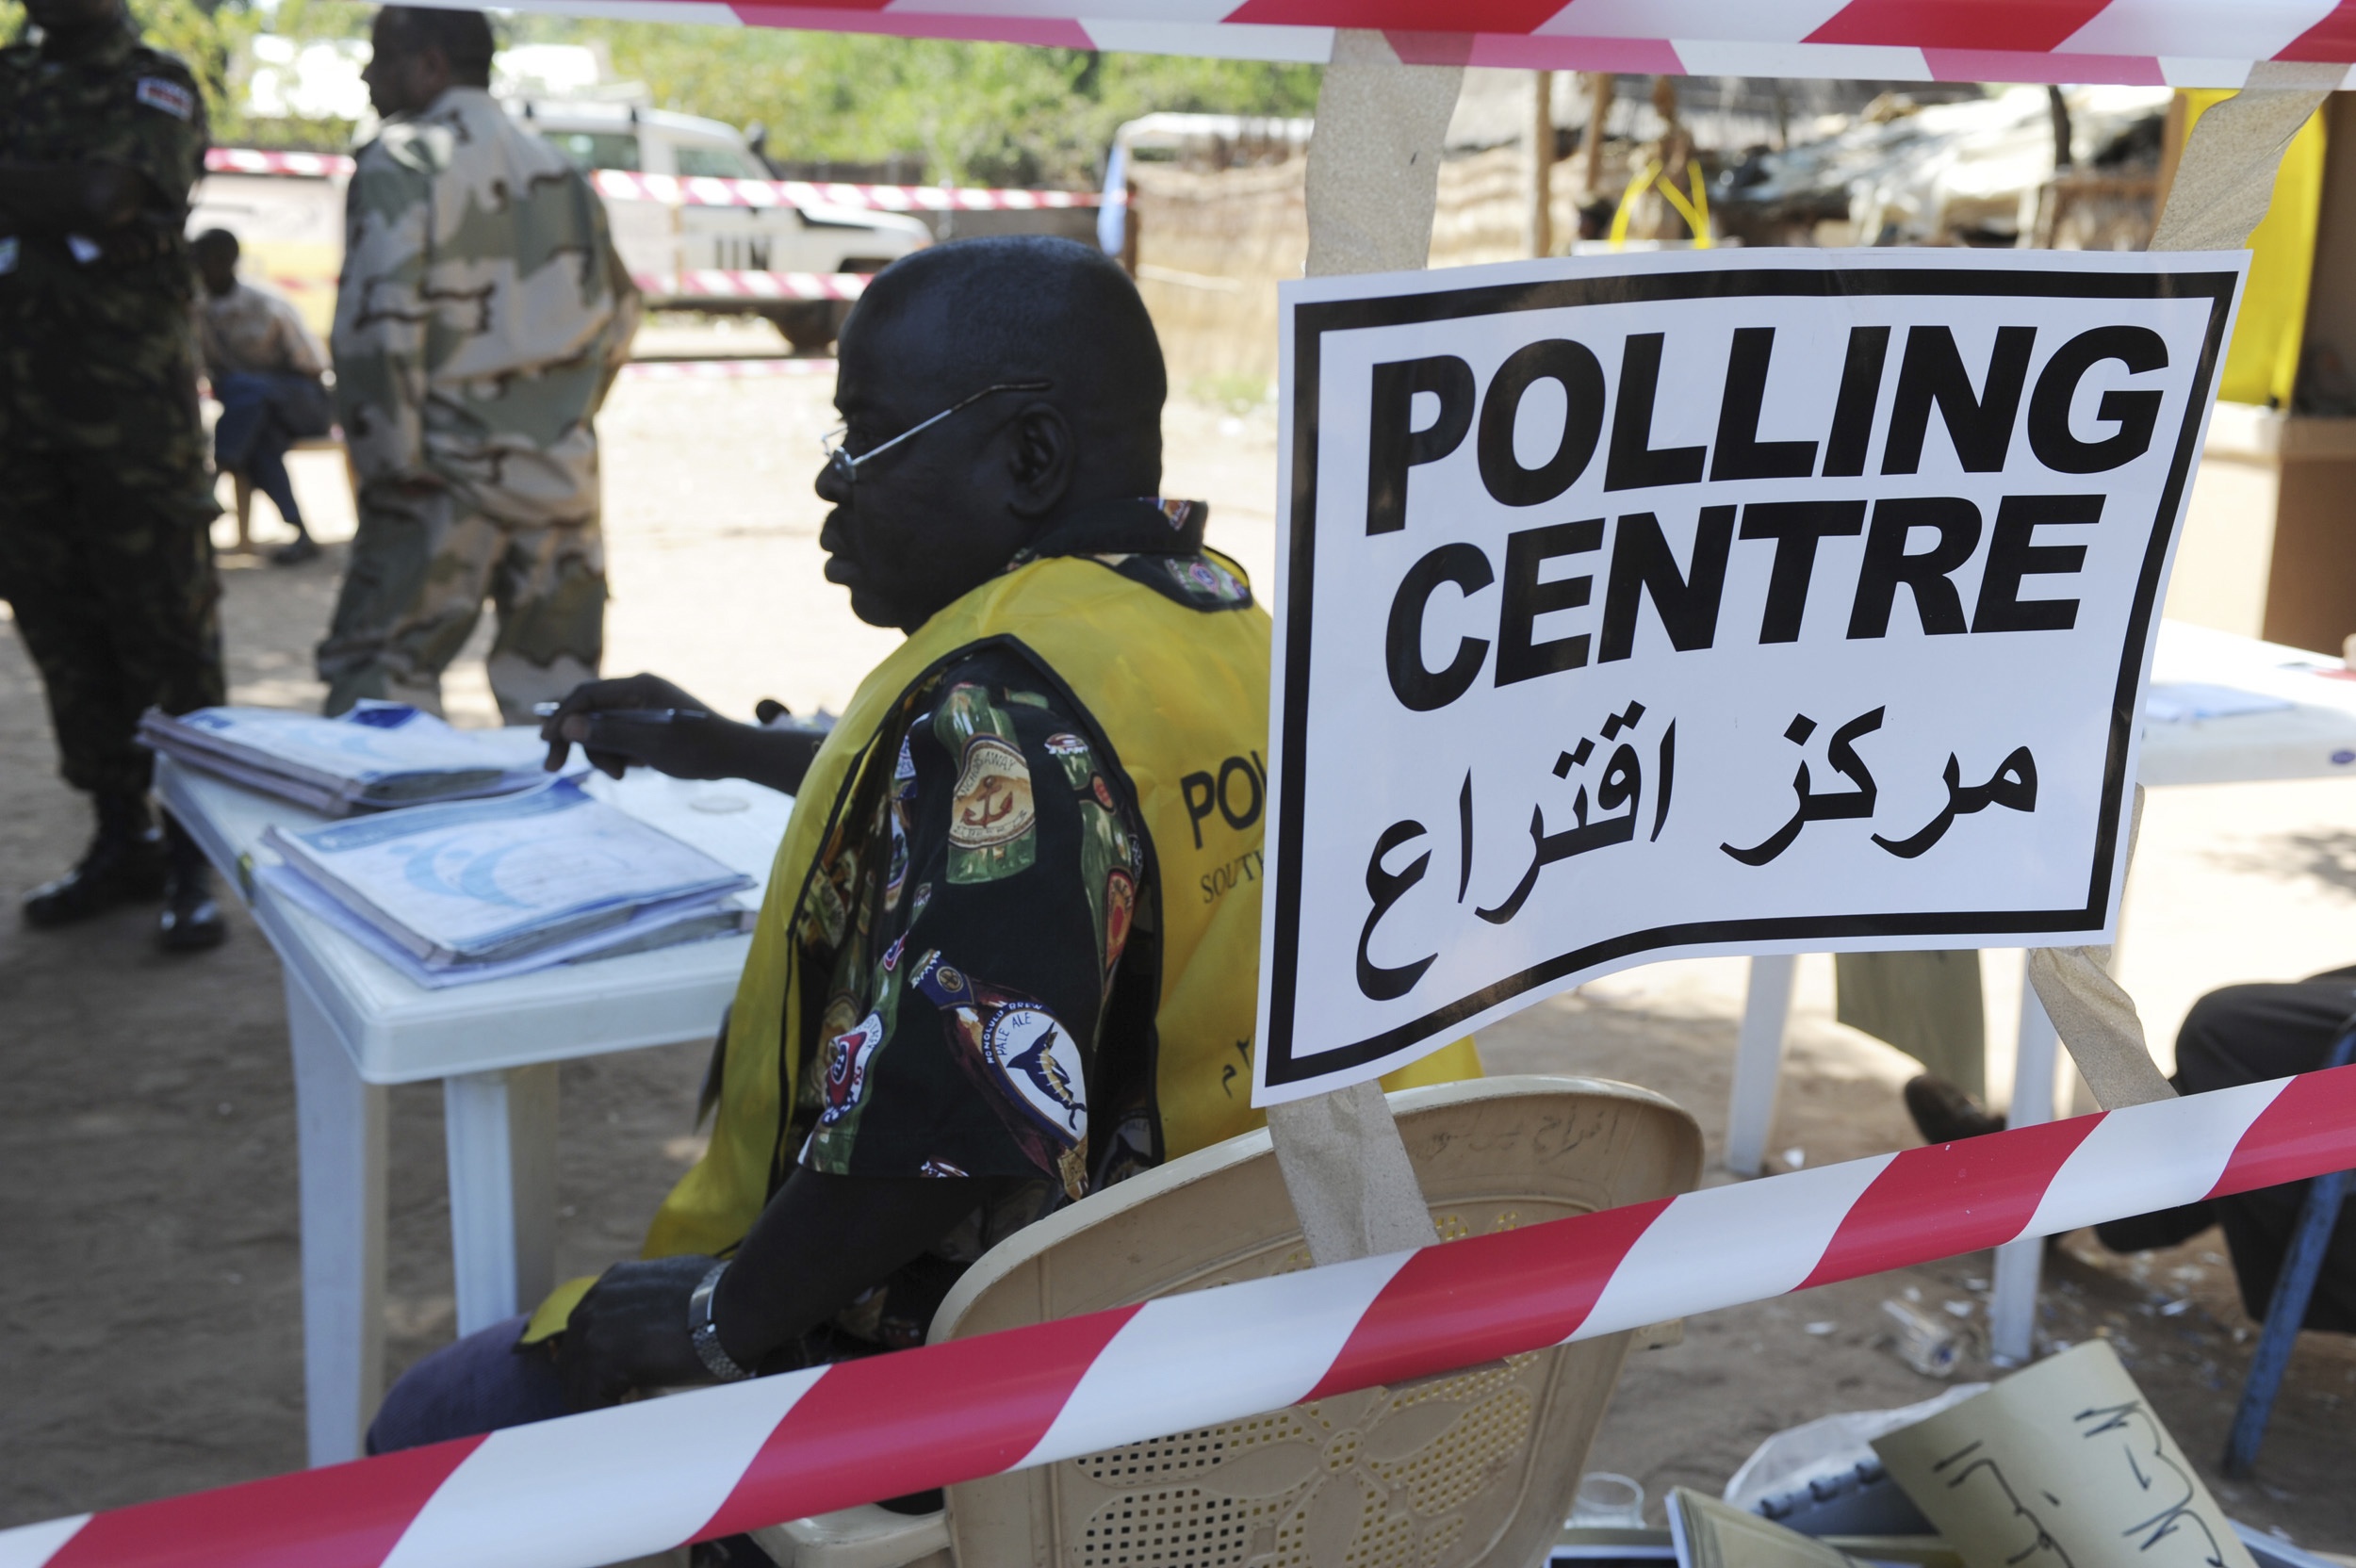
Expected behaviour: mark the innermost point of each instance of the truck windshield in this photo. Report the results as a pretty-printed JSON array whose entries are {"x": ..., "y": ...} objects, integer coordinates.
[
  {"x": 597, "y": 149},
  {"x": 726, "y": 163}
]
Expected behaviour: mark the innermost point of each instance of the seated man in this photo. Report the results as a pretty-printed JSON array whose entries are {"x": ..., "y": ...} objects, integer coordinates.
[
  {"x": 265, "y": 367},
  {"x": 2249, "y": 1035},
  {"x": 2239, "y": 1035},
  {"x": 989, "y": 977}
]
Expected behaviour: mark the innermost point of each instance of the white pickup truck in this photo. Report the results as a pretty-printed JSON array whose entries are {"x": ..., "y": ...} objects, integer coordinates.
[
  {"x": 287, "y": 212},
  {"x": 658, "y": 238}
]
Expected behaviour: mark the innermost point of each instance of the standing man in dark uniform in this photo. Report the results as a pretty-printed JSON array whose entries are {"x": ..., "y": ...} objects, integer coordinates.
[{"x": 105, "y": 503}]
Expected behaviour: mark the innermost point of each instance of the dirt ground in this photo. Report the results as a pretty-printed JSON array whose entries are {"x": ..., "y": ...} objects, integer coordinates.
[{"x": 149, "y": 1297}]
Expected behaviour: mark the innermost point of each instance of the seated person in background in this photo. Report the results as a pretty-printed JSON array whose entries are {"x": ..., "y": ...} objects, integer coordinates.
[
  {"x": 992, "y": 975},
  {"x": 2249, "y": 1035},
  {"x": 2239, "y": 1035},
  {"x": 265, "y": 367}
]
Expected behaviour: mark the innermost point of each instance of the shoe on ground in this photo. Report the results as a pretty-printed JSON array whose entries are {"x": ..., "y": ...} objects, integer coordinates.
[
  {"x": 191, "y": 921},
  {"x": 1944, "y": 1113},
  {"x": 2149, "y": 1233},
  {"x": 303, "y": 549},
  {"x": 124, "y": 864}
]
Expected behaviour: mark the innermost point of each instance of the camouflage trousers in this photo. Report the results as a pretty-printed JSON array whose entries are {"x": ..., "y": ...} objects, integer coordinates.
[
  {"x": 421, "y": 566},
  {"x": 109, "y": 565}
]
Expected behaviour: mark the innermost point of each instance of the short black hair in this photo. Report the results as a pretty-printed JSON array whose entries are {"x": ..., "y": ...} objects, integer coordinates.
[
  {"x": 215, "y": 240},
  {"x": 463, "y": 36},
  {"x": 1025, "y": 305}
]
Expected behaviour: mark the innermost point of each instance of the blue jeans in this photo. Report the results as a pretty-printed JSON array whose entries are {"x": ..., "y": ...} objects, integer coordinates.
[
  {"x": 261, "y": 416},
  {"x": 480, "y": 1384}
]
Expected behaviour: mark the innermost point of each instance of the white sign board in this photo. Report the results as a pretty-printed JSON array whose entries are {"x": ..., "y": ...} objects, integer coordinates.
[{"x": 1754, "y": 602}]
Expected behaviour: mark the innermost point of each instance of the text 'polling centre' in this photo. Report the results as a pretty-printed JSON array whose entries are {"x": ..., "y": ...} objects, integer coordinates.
[{"x": 1643, "y": 606}]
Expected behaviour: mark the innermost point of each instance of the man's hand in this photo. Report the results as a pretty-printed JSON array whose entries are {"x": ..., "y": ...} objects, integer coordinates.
[
  {"x": 695, "y": 743},
  {"x": 697, "y": 747},
  {"x": 631, "y": 1331}
]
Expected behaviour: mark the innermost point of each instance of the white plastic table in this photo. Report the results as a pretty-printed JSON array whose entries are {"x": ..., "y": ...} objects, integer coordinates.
[
  {"x": 2315, "y": 738},
  {"x": 357, "y": 1025}
]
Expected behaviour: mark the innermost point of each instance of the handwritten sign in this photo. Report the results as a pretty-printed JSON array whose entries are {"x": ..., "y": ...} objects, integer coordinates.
[
  {"x": 1708, "y": 1533},
  {"x": 1638, "y": 606},
  {"x": 2062, "y": 1466}
]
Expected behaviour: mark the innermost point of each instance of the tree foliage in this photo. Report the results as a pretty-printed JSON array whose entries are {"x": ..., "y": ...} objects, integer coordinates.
[
  {"x": 973, "y": 113},
  {"x": 207, "y": 38}
]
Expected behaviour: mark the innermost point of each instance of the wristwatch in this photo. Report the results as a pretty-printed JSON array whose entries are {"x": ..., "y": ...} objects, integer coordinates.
[{"x": 704, "y": 1336}]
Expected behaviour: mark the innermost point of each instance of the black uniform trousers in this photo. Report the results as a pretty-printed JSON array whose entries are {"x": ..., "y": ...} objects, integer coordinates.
[
  {"x": 2246, "y": 1035},
  {"x": 110, "y": 576}
]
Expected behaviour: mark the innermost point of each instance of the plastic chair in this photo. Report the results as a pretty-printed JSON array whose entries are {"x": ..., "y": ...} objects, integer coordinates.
[
  {"x": 1475, "y": 1469},
  {"x": 2287, "y": 1309}
]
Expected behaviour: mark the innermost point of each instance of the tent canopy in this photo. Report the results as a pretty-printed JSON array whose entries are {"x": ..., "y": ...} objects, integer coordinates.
[{"x": 2132, "y": 42}]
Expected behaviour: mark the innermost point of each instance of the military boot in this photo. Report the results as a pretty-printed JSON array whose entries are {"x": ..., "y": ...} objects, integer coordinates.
[
  {"x": 124, "y": 863},
  {"x": 192, "y": 920}
]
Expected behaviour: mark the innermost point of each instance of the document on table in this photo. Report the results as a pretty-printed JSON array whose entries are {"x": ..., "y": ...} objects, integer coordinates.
[
  {"x": 378, "y": 755},
  {"x": 2182, "y": 701},
  {"x": 493, "y": 880},
  {"x": 674, "y": 924},
  {"x": 2063, "y": 1465}
]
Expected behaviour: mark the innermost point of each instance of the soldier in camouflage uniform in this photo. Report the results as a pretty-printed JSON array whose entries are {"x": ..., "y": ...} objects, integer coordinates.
[
  {"x": 480, "y": 317},
  {"x": 104, "y": 500}
]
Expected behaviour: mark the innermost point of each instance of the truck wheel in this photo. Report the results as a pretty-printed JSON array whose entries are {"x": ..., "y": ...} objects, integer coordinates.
[{"x": 809, "y": 325}]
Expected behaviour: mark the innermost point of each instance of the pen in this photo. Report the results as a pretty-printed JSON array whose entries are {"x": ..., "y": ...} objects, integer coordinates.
[{"x": 630, "y": 715}]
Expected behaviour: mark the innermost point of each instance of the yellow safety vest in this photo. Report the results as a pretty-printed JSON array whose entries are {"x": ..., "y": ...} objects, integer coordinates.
[{"x": 1181, "y": 697}]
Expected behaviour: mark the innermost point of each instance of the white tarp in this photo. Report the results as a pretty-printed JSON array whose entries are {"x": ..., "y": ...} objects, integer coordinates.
[{"x": 1734, "y": 602}]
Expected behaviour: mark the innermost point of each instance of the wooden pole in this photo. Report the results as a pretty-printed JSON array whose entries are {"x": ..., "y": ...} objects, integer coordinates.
[
  {"x": 1373, "y": 184},
  {"x": 1541, "y": 229},
  {"x": 1599, "y": 118}
]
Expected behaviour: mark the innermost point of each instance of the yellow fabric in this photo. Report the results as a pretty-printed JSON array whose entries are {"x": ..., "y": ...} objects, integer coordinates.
[
  {"x": 552, "y": 1315},
  {"x": 2262, "y": 363},
  {"x": 1176, "y": 691}
]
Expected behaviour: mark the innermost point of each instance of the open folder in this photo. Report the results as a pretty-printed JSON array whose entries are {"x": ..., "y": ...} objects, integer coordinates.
[{"x": 474, "y": 888}]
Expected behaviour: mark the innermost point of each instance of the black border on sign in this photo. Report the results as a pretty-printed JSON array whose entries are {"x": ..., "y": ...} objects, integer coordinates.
[{"x": 1313, "y": 320}]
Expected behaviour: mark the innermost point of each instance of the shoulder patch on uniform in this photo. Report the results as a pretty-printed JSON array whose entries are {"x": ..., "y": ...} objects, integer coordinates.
[{"x": 159, "y": 93}]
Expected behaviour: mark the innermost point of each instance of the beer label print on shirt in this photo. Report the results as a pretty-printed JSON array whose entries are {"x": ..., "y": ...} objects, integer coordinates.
[
  {"x": 992, "y": 816},
  {"x": 847, "y": 1055},
  {"x": 1027, "y": 1058}
]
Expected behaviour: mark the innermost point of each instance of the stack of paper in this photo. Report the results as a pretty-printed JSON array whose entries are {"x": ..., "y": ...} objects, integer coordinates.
[
  {"x": 2184, "y": 701},
  {"x": 477, "y": 890},
  {"x": 380, "y": 754}
]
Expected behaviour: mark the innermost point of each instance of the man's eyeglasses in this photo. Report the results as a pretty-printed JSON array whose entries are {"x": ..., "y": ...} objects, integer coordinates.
[{"x": 843, "y": 467}]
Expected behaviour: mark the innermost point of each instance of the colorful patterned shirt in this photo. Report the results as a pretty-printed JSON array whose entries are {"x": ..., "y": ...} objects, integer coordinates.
[{"x": 990, "y": 1006}]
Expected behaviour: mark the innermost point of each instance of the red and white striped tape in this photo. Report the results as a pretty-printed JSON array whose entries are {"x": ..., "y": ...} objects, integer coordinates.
[
  {"x": 2135, "y": 42},
  {"x": 709, "y": 192},
  {"x": 643, "y": 1478},
  {"x": 706, "y": 190},
  {"x": 714, "y": 284},
  {"x": 249, "y": 160}
]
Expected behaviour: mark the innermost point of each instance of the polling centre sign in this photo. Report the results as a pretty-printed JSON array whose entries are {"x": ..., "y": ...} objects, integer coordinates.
[{"x": 1634, "y": 607}]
